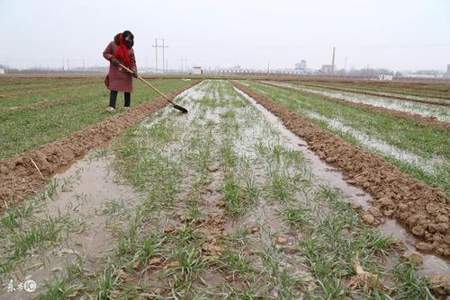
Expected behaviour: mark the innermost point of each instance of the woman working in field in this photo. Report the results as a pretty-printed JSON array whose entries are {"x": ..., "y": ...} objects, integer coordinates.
[{"x": 120, "y": 51}]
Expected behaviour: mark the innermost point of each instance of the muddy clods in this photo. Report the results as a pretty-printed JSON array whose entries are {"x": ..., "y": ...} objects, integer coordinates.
[
  {"x": 441, "y": 284},
  {"x": 423, "y": 210},
  {"x": 27, "y": 173}
]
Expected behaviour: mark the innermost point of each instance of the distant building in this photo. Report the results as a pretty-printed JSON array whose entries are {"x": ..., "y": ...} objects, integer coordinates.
[
  {"x": 424, "y": 76},
  {"x": 2, "y": 71},
  {"x": 197, "y": 70},
  {"x": 447, "y": 74},
  {"x": 332, "y": 60},
  {"x": 301, "y": 66},
  {"x": 327, "y": 69},
  {"x": 385, "y": 77}
]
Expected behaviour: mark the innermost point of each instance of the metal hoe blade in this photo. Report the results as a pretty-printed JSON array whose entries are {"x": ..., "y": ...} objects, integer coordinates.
[{"x": 180, "y": 108}]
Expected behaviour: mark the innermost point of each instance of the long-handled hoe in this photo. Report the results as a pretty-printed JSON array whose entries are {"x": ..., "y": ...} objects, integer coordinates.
[{"x": 176, "y": 106}]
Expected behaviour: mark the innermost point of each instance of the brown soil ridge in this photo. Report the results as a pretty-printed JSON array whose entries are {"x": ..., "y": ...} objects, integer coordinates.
[
  {"x": 381, "y": 95},
  {"x": 423, "y": 210},
  {"x": 432, "y": 121},
  {"x": 27, "y": 173}
]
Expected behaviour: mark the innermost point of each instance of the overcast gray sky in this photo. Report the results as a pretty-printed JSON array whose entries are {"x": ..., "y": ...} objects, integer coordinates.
[{"x": 400, "y": 34}]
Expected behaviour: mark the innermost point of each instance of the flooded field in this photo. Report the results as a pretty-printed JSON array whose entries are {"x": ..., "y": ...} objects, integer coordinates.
[
  {"x": 439, "y": 112},
  {"x": 432, "y": 165},
  {"x": 223, "y": 202},
  {"x": 413, "y": 146}
]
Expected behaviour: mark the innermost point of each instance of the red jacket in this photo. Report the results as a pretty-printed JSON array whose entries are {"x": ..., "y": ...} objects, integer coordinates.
[{"x": 119, "y": 79}]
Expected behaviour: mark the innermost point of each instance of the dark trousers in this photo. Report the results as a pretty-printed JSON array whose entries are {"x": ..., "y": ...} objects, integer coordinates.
[{"x": 113, "y": 98}]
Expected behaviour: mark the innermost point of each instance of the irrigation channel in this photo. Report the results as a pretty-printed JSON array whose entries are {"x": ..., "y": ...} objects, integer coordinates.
[
  {"x": 441, "y": 113},
  {"x": 221, "y": 202}
]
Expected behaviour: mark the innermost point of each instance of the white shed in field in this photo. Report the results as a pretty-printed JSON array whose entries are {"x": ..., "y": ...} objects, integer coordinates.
[
  {"x": 385, "y": 77},
  {"x": 197, "y": 71},
  {"x": 2, "y": 71}
]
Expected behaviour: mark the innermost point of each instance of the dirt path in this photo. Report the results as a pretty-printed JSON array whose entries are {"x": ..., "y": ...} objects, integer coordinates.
[
  {"x": 27, "y": 173},
  {"x": 422, "y": 209},
  {"x": 420, "y": 118}
]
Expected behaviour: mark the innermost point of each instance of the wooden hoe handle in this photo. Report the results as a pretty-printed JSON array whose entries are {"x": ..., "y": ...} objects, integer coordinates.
[{"x": 147, "y": 83}]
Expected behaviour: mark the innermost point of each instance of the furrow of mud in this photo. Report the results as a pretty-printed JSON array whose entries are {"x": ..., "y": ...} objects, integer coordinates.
[
  {"x": 423, "y": 210},
  {"x": 372, "y": 108},
  {"x": 27, "y": 173},
  {"x": 382, "y": 95}
]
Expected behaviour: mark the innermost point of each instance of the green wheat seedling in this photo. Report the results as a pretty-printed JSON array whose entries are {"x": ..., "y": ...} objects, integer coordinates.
[{"x": 411, "y": 285}]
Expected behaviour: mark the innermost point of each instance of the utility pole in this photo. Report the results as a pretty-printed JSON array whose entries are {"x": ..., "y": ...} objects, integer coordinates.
[
  {"x": 156, "y": 55},
  {"x": 163, "y": 57},
  {"x": 156, "y": 46},
  {"x": 164, "y": 62}
]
